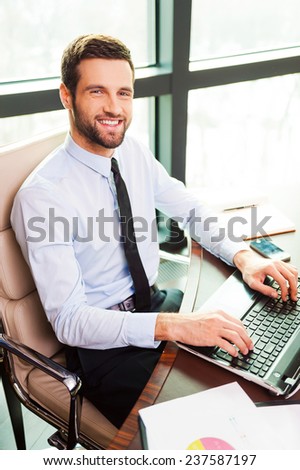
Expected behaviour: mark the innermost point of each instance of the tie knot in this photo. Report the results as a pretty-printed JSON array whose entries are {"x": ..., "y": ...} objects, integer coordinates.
[{"x": 115, "y": 166}]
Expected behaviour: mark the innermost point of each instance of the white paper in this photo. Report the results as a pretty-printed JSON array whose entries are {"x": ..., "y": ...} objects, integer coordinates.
[
  {"x": 245, "y": 212},
  {"x": 285, "y": 423},
  {"x": 221, "y": 418},
  {"x": 257, "y": 221}
]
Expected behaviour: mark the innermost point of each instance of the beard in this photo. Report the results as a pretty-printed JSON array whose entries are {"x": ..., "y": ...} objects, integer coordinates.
[{"x": 90, "y": 131}]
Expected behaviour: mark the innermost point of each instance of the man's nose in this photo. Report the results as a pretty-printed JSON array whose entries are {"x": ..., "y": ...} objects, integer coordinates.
[{"x": 112, "y": 105}]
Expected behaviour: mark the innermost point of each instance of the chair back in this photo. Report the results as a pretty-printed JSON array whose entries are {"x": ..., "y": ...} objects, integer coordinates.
[{"x": 21, "y": 312}]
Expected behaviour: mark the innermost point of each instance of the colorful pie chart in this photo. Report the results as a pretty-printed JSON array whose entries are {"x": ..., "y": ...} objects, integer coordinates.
[{"x": 209, "y": 443}]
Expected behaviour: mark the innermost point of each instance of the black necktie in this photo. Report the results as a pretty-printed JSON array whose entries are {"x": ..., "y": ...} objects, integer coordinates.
[{"x": 140, "y": 281}]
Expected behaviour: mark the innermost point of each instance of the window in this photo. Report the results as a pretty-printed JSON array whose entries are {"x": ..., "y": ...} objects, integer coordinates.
[
  {"x": 142, "y": 122},
  {"x": 34, "y": 33},
  {"x": 234, "y": 47},
  {"x": 244, "y": 134},
  {"x": 32, "y": 42},
  {"x": 17, "y": 128},
  {"x": 221, "y": 29}
]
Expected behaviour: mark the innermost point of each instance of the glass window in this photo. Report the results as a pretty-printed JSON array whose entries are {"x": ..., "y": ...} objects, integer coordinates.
[
  {"x": 142, "y": 126},
  {"x": 225, "y": 28},
  {"x": 14, "y": 129},
  {"x": 34, "y": 33},
  {"x": 244, "y": 134},
  {"x": 17, "y": 128}
]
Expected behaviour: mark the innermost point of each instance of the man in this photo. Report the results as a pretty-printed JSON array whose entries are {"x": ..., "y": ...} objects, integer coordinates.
[{"x": 66, "y": 219}]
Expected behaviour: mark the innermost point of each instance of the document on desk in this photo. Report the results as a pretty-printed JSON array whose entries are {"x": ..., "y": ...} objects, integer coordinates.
[
  {"x": 222, "y": 418},
  {"x": 247, "y": 214},
  {"x": 255, "y": 221},
  {"x": 285, "y": 422}
]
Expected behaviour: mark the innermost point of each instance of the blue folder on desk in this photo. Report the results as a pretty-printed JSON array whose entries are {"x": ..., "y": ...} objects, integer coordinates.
[{"x": 274, "y": 327}]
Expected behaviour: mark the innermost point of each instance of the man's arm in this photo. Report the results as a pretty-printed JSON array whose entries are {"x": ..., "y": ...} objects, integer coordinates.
[
  {"x": 60, "y": 284},
  {"x": 216, "y": 328}
]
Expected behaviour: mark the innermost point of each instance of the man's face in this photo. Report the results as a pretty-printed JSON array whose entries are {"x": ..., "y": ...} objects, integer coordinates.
[{"x": 102, "y": 109}]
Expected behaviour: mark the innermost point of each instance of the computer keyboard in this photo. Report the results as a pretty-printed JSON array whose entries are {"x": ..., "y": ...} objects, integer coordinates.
[{"x": 270, "y": 324}]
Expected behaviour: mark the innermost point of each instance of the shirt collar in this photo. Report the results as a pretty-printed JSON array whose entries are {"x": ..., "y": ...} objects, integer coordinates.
[{"x": 97, "y": 163}]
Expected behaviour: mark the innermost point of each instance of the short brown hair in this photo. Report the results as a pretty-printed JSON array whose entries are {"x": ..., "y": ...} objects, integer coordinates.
[{"x": 90, "y": 46}]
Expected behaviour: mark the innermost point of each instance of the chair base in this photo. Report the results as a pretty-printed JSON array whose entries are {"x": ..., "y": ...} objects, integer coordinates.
[{"x": 58, "y": 440}]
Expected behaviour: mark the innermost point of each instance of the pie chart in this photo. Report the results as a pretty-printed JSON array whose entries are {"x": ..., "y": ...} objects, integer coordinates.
[{"x": 209, "y": 443}]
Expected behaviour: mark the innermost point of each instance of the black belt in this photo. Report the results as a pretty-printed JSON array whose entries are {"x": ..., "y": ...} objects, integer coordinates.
[{"x": 129, "y": 303}]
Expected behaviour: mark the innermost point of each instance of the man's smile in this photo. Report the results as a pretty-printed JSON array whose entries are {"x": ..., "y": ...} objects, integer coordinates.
[{"x": 110, "y": 122}]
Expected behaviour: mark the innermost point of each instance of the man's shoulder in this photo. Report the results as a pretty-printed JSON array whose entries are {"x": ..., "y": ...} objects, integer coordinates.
[
  {"x": 42, "y": 188},
  {"x": 47, "y": 170}
]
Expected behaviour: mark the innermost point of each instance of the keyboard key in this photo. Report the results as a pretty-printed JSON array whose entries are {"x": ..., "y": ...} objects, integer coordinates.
[
  {"x": 261, "y": 373},
  {"x": 254, "y": 369},
  {"x": 275, "y": 339},
  {"x": 270, "y": 347},
  {"x": 268, "y": 334},
  {"x": 260, "y": 331},
  {"x": 272, "y": 329},
  {"x": 241, "y": 364},
  {"x": 255, "y": 338},
  {"x": 259, "y": 360},
  {"x": 259, "y": 345}
]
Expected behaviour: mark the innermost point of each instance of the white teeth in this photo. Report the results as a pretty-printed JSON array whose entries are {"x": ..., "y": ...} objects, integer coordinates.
[{"x": 109, "y": 123}]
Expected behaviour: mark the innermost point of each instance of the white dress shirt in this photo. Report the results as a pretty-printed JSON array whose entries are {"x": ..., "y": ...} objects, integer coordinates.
[{"x": 66, "y": 221}]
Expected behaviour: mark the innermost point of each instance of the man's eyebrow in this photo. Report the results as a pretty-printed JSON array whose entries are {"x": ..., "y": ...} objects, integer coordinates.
[
  {"x": 127, "y": 88},
  {"x": 92, "y": 87},
  {"x": 102, "y": 87}
]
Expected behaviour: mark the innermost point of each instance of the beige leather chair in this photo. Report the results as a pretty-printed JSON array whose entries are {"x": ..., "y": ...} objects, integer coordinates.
[
  {"x": 52, "y": 395},
  {"x": 33, "y": 355}
]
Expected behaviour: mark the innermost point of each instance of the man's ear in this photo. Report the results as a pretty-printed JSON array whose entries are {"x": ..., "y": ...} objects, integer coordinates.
[{"x": 65, "y": 96}]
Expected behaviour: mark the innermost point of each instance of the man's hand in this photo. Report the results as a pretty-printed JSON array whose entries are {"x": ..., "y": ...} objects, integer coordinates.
[
  {"x": 255, "y": 269},
  {"x": 204, "y": 329},
  {"x": 219, "y": 328}
]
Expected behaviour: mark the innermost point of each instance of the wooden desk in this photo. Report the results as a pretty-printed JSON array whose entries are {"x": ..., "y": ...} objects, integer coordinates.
[{"x": 182, "y": 373}]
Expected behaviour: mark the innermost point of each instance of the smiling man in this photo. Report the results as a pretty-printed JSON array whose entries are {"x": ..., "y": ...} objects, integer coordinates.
[
  {"x": 101, "y": 112},
  {"x": 98, "y": 291}
]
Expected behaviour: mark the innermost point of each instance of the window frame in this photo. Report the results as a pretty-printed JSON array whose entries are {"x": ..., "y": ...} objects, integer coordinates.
[{"x": 169, "y": 81}]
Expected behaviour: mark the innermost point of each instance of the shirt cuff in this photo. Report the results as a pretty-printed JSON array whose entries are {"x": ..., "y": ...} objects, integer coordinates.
[
  {"x": 140, "y": 329},
  {"x": 230, "y": 249}
]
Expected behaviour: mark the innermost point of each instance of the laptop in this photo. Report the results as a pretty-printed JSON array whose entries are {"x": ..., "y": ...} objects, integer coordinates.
[{"x": 274, "y": 327}]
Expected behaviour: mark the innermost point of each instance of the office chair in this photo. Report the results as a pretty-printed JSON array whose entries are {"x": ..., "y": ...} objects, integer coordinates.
[
  {"x": 37, "y": 370},
  {"x": 34, "y": 358}
]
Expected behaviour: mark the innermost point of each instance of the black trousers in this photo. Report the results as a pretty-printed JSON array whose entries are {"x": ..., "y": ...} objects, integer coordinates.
[{"x": 114, "y": 378}]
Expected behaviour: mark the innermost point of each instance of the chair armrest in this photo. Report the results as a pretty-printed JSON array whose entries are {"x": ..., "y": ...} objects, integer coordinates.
[
  {"x": 70, "y": 380},
  {"x": 175, "y": 257}
]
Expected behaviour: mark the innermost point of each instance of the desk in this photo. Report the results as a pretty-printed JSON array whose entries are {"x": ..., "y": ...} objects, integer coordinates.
[{"x": 184, "y": 373}]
